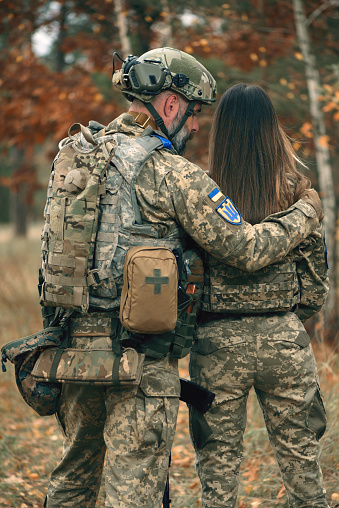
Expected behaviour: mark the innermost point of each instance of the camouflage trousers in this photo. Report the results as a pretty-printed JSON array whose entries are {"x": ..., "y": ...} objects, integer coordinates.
[
  {"x": 131, "y": 429},
  {"x": 271, "y": 353}
]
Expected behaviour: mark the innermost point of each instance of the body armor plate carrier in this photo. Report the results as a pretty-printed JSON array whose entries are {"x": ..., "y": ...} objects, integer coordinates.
[
  {"x": 274, "y": 288},
  {"x": 92, "y": 219}
]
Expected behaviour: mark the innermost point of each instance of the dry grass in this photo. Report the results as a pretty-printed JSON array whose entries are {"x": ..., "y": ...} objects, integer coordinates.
[{"x": 30, "y": 446}]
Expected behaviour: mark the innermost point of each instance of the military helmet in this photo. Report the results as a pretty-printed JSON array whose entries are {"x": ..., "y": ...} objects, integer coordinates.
[{"x": 162, "y": 69}]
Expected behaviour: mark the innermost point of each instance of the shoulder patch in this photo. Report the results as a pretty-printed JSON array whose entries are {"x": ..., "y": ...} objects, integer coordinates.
[
  {"x": 224, "y": 207},
  {"x": 215, "y": 195},
  {"x": 228, "y": 211}
]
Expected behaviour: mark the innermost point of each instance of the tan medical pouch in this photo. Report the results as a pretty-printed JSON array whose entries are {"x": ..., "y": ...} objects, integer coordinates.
[{"x": 149, "y": 295}]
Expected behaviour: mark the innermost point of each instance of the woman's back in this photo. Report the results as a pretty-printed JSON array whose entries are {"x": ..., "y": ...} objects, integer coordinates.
[
  {"x": 253, "y": 162},
  {"x": 251, "y": 157}
]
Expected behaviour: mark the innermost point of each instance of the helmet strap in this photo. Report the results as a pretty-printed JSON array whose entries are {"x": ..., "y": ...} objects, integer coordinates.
[
  {"x": 188, "y": 113},
  {"x": 160, "y": 122}
]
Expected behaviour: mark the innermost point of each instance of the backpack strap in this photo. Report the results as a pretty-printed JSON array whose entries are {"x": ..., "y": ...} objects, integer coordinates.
[
  {"x": 148, "y": 143},
  {"x": 85, "y": 132}
]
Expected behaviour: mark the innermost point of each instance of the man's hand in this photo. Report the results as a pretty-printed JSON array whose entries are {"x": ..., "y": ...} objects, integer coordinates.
[{"x": 312, "y": 198}]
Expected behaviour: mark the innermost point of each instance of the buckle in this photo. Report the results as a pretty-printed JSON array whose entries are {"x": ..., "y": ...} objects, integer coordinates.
[
  {"x": 142, "y": 119},
  {"x": 139, "y": 122},
  {"x": 93, "y": 278}
]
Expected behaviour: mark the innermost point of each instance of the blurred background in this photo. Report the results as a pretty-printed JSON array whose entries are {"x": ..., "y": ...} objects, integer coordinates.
[{"x": 56, "y": 68}]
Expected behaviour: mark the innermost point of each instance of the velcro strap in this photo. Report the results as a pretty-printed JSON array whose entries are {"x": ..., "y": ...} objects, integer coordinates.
[
  {"x": 109, "y": 199},
  {"x": 181, "y": 346},
  {"x": 109, "y": 218},
  {"x": 115, "y": 370},
  {"x": 62, "y": 280},
  {"x": 54, "y": 366},
  {"x": 105, "y": 237},
  {"x": 60, "y": 260},
  {"x": 103, "y": 256},
  {"x": 63, "y": 299}
]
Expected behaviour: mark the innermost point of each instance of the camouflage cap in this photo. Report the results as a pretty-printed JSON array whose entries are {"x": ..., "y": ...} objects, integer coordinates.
[{"x": 178, "y": 71}]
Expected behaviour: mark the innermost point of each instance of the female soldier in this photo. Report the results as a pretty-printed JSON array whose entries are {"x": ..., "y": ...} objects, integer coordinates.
[{"x": 251, "y": 332}]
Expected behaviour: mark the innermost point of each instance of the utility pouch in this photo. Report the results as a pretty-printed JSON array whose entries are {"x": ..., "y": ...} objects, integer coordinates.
[
  {"x": 23, "y": 353},
  {"x": 96, "y": 367},
  {"x": 149, "y": 296}
]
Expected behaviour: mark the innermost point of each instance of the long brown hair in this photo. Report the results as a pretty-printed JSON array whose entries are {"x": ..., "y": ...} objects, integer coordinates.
[{"x": 251, "y": 157}]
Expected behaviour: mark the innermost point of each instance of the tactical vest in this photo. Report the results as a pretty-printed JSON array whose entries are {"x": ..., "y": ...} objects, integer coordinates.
[
  {"x": 227, "y": 289},
  {"x": 92, "y": 218}
]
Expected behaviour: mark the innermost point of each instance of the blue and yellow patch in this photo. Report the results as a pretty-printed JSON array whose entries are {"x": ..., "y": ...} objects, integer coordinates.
[
  {"x": 215, "y": 195},
  {"x": 226, "y": 209}
]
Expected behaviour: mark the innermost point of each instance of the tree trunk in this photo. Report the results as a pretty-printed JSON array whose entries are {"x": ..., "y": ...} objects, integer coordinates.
[
  {"x": 19, "y": 213},
  {"x": 122, "y": 27},
  {"x": 325, "y": 177},
  {"x": 165, "y": 36},
  {"x": 19, "y": 208},
  {"x": 60, "y": 57}
]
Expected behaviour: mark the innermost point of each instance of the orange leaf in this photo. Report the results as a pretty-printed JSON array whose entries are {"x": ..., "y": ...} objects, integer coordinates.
[
  {"x": 281, "y": 492},
  {"x": 328, "y": 107},
  {"x": 33, "y": 476},
  {"x": 306, "y": 129},
  {"x": 252, "y": 474},
  {"x": 324, "y": 140}
]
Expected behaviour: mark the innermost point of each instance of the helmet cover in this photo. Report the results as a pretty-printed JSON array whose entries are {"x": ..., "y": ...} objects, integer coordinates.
[{"x": 174, "y": 69}]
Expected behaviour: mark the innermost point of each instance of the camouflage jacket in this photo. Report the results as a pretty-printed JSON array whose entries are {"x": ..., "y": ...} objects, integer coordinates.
[{"x": 171, "y": 190}]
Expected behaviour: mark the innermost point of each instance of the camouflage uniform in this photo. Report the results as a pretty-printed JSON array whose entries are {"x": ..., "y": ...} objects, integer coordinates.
[
  {"x": 135, "y": 426},
  {"x": 272, "y": 353}
]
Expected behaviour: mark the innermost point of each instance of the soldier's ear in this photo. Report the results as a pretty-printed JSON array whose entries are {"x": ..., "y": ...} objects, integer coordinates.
[{"x": 171, "y": 106}]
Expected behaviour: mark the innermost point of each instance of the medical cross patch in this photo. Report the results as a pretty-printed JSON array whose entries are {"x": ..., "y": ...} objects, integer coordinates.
[{"x": 229, "y": 212}]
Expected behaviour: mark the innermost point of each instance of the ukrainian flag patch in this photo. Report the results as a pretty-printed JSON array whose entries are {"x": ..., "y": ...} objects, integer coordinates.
[
  {"x": 215, "y": 195},
  {"x": 229, "y": 212}
]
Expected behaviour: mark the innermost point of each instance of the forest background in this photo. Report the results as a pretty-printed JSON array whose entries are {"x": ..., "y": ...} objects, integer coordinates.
[{"x": 56, "y": 66}]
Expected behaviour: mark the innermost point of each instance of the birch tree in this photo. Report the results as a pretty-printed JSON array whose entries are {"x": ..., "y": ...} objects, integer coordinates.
[
  {"x": 122, "y": 23},
  {"x": 324, "y": 169}
]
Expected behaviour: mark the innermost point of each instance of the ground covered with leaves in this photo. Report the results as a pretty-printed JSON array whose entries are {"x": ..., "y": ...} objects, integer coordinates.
[{"x": 30, "y": 446}]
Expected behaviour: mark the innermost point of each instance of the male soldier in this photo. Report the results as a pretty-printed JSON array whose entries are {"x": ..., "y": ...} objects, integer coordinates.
[{"x": 134, "y": 426}]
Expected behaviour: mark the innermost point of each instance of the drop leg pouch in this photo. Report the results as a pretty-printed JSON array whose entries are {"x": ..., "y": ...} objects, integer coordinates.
[{"x": 40, "y": 395}]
